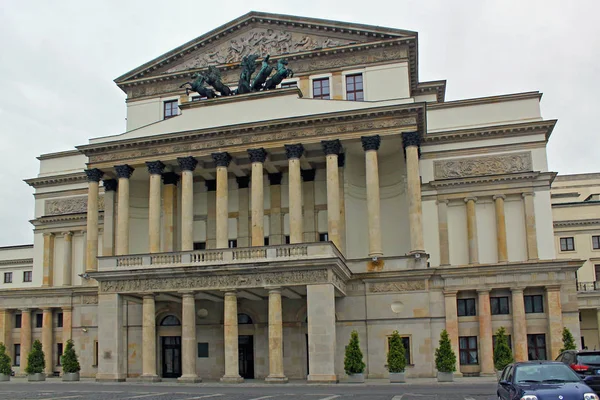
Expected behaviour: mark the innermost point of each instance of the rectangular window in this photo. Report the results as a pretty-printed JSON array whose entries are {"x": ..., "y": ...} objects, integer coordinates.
[
  {"x": 202, "y": 350},
  {"x": 466, "y": 307},
  {"x": 266, "y": 241},
  {"x": 468, "y": 350},
  {"x": 323, "y": 237},
  {"x": 321, "y": 89},
  {"x": 59, "y": 320},
  {"x": 354, "y": 87},
  {"x": 17, "y": 321},
  {"x": 536, "y": 347},
  {"x": 39, "y": 320},
  {"x": 8, "y": 277},
  {"x": 597, "y": 271},
  {"x": 232, "y": 243},
  {"x": 59, "y": 351},
  {"x": 508, "y": 339},
  {"x": 406, "y": 344},
  {"x": 171, "y": 108},
  {"x": 499, "y": 305},
  {"x": 17, "y": 353},
  {"x": 27, "y": 276},
  {"x": 95, "y": 353},
  {"x": 596, "y": 242},
  {"x": 200, "y": 246},
  {"x": 287, "y": 239},
  {"x": 534, "y": 304},
  {"x": 567, "y": 244},
  {"x": 287, "y": 85}
]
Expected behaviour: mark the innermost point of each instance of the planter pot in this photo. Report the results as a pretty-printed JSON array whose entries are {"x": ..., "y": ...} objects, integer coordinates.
[
  {"x": 356, "y": 378},
  {"x": 4, "y": 378},
  {"x": 70, "y": 376},
  {"x": 397, "y": 377},
  {"x": 36, "y": 377},
  {"x": 445, "y": 376}
]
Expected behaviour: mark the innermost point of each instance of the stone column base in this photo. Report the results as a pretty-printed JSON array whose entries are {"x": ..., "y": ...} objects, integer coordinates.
[
  {"x": 111, "y": 377},
  {"x": 189, "y": 379},
  {"x": 232, "y": 379},
  {"x": 150, "y": 378},
  {"x": 322, "y": 378},
  {"x": 276, "y": 379}
]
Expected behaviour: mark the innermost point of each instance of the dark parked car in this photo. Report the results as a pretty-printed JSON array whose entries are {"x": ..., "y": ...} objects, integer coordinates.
[
  {"x": 542, "y": 380},
  {"x": 586, "y": 363}
]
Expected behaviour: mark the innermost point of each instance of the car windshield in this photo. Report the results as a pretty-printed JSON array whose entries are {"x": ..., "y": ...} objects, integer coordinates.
[
  {"x": 589, "y": 358},
  {"x": 545, "y": 373}
]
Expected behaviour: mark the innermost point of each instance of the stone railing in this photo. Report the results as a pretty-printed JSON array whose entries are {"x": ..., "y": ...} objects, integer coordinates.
[
  {"x": 588, "y": 286},
  {"x": 208, "y": 258}
]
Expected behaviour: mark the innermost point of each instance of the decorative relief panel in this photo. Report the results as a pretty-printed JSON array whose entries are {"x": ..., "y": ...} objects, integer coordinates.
[
  {"x": 89, "y": 299},
  {"x": 71, "y": 205},
  {"x": 478, "y": 166},
  {"x": 402, "y": 286}
]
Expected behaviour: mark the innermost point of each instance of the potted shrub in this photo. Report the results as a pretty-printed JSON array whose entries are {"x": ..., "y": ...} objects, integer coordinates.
[
  {"x": 568, "y": 340},
  {"x": 502, "y": 352},
  {"x": 36, "y": 362},
  {"x": 5, "y": 369},
  {"x": 69, "y": 363},
  {"x": 396, "y": 359},
  {"x": 353, "y": 361},
  {"x": 445, "y": 359}
]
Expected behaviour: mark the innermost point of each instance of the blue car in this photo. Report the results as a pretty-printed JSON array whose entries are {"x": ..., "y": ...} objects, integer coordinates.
[{"x": 542, "y": 380}]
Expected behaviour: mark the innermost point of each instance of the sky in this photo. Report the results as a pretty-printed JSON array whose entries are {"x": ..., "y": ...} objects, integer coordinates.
[{"x": 58, "y": 60}]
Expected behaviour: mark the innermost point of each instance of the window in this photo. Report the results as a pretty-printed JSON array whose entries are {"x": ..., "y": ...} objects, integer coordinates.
[
  {"x": 354, "y": 87},
  {"x": 406, "y": 344},
  {"x": 59, "y": 352},
  {"x": 508, "y": 339},
  {"x": 287, "y": 85},
  {"x": 27, "y": 276},
  {"x": 534, "y": 304},
  {"x": 59, "y": 320},
  {"x": 466, "y": 307},
  {"x": 583, "y": 346},
  {"x": 323, "y": 237},
  {"x": 8, "y": 277},
  {"x": 200, "y": 246},
  {"x": 202, "y": 350},
  {"x": 321, "y": 88},
  {"x": 232, "y": 243},
  {"x": 244, "y": 319},
  {"x": 171, "y": 108},
  {"x": 17, "y": 353},
  {"x": 17, "y": 321},
  {"x": 596, "y": 242},
  {"x": 266, "y": 241},
  {"x": 39, "y": 320},
  {"x": 536, "y": 346},
  {"x": 95, "y": 353},
  {"x": 567, "y": 244},
  {"x": 499, "y": 305},
  {"x": 597, "y": 271},
  {"x": 287, "y": 239},
  {"x": 468, "y": 350},
  {"x": 170, "y": 320}
]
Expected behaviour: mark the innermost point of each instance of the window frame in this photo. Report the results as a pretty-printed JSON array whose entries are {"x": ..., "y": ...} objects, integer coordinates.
[
  {"x": 537, "y": 348},
  {"x": 532, "y": 303},
  {"x": 199, "y": 246},
  {"x": 595, "y": 242},
  {"x": 232, "y": 243},
  {"x": 566, "y": 240},
  {"x": 59, "y": 320},
  {"x": 355, "y": 92},
  {"x": 17, "y": 355},
  {"x": 289, "y": 82},
  {"x": 59, "y": 353},
  {"x": 508, "y": 339},
  {"x": 96, "y": 354},
  {"x": 499, "y": 305},
  {"x": 321, "y": 78},
  {"x": 8, "y": 277},
  {"x": 170, "y": 102},
  {"x": 461, "y": 350},
  {"x": 407, "y": 349},
  {"x": 27, "y": 276},
  {"x": 39, "y": 320},
  {"x": 323, "y": 236},
  {"x": 18, "y": 321},
  {"x": 466, "y": 309}
]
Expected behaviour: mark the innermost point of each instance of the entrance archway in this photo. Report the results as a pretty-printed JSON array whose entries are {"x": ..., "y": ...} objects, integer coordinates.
[{"x": 170, "y": 349}]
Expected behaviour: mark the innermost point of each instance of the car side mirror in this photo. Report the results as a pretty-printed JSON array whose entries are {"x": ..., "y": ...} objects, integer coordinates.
[{"x": 504, "y": 382}]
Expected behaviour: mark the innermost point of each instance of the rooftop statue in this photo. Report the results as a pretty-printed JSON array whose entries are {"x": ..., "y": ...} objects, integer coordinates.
[
  {"x": 213, "y": 78},
  {"x": 263, "y": 74},
  {"x": 248, "y": 67},
  {"x": 198, "y": 86},
  {"x": 281, "y": 73}
]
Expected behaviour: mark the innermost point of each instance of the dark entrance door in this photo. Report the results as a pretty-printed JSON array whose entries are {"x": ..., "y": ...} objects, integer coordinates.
[
  {"x": 246, "y": 356},
  {"x": 171, "y": 356}
]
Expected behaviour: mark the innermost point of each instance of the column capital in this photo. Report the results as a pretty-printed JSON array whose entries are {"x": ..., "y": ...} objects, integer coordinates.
[
  {"x": 170, "y": 178},
  {"x": 341, "y": 160},
  {"x": 256, "y": 155},
  {"x": 331, "y": 147},
  {"x": 48, "y": 234},
  {"x": 443, "y": 201},
  {"x": 221, "y": 159},
  {"x": 308, "y": 175},
  {"x": 124, "y": 171},
  {"x": 187, "y": 293},
  {"x": 499, "y": 196},
  {"x": 155, "y": 167},
  {"x": 450, "y": 293},
  {"x": 467, "y": 199},
  {"x": 293, "y": 151},
  {"x": 243, "y": 182},
  {"x": 46, "y": 309},
  {"x": 229, "y": 292},
  {"x": 517, "y": 290},
  {"x": 148, "y": 296},
  {"x": 553, "y": 288},
  {"x": 94, "y": 174},
  {"x": 67, "y": 308},
  {"x": 411, "y": 139},
  {"x": 110, "y": 185},
  {"x": 273, "y": 289},
  {"x": 484, "y": 291},
  {"x": 68, "y": 233},
  {"x": 187, "y": 163},
  {"x": 275, "y": 179},
  {"x": 527, "y": 194},
  {"x": 211, "y": 185},
  {"x": 370, "y": 142},
  {"x": 25, "y": 310}
]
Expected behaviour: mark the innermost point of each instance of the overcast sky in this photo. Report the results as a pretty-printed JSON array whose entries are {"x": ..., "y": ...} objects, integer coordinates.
[{"x": 58, "y": 60}]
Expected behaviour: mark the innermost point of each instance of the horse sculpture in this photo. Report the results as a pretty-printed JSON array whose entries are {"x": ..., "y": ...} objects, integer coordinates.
[
  {"x": 281, "y": 73},
  {"x": 198, "y": 86},
  {"x": 248, "y": 68},
  {"x": 262, "y": 75},
  {"x": 213, "y": 78}
]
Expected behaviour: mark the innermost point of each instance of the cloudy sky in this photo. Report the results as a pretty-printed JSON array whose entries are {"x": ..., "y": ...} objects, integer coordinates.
[{"x": 58, "y": 59}]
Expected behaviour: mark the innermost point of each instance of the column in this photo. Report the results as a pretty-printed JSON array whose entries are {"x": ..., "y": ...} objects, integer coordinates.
[
  {"x": 451, "y": 311},
  {"x": 6, "y": 331},
  {"x": 47, "y": 342},
  {"x": 25, "y": 338},
  {"x": 443, "y": 232},
  {"x": 341, "y": 163},
  {"x": 187, "y": 165},
  {"x": 222, "y": 161},
  {"x": 48, "y": 261},
  {"x": 155, "y": 169},
  {"x": 111, "y": 339},
  {"x": 232, "y": 369},
  {"x": 486, "y": 349},
  {"x": 243, "y": 211},
  {"x": 472, "y": 230},
  {"x": 501, "y": 228},
  {"x": 91, "y": 251},
  {"x": 257, "y": 158},
  {"x": 293, "y": 153},
  {"x": 211, "y": 214},
  {"x": 555, "y": 321},
  {"x": 320, "y": 304},
  {"x": 370, "y": 145},
  {"x": 67, "y": 324},
  {"x": 149, "y": 339},
  {"x": 519, "y": 325},
  {"x": 532, "y": 250},
  {"x": 332, "y": 148},
  {"x": 122, "y": 243},
  {"x": 275, "y": 338},
  {"x": 169, "y": 196},
  {"x": 188, "y": 339},
  {"x": 108, "y": 238},
  {"x": 276, "y": 235},
  {"x": 67, "y": 258},
  {"x": 411, "y": 142},
  {"x": 308, "y": 198}
]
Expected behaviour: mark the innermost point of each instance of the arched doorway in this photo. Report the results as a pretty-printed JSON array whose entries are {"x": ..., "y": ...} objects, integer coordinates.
[
  {"x": 171, "y": 349},
  {"x": 246, "y": 349}
]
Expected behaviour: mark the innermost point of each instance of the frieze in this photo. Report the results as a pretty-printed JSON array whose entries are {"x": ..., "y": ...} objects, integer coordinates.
[
  {"x": 337, "y": 281},
  {"x": 89, "y": 299},
  {"x": 71, "y": 205},
  {"x": 478, "y": 166},
  {"x": 401, "y": 286}
]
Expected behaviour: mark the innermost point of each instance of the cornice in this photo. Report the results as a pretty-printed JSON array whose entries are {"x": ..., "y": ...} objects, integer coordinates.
[
  {"x": 576, "y": 222},
  {"x": 57, "y": 180},
  {"x": 510, "y": 267},
  {"x": 52, "y": 291},
  {"x": 241, "y": 97},
  {"x": 59, "y": 154},
  {"x": 17, "y": 261},
  {"x": 576, "y": 204},
  {"x": 486, "y": 100},
  {"x": 18, "y": 246},
  {"x": 577, "y": 177},
  {"x": 64, "y": 218},
  {"x": 482, "y": 180},
  {"x": 439, "y": 87}
]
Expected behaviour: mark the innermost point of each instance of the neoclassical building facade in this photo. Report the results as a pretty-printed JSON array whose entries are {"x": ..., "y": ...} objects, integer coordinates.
[{"x": 245, "y": 236}]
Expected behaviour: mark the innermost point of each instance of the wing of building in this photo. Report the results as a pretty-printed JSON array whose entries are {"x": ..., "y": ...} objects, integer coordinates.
[{"x": 246, "y": 235}]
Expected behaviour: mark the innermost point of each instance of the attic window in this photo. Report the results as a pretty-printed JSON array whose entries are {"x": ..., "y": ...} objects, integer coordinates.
[{"x": 171, "y": 108}]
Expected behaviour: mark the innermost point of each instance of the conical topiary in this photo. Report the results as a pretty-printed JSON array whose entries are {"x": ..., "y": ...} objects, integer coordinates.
[
  {"x": 36, "y": 362},
  {"x": 445, "y": 359},
  {"x": 5, "y": 368},
  {"x": 502, "y": 352},
  {"x": 396, "y": 357},
  {"x": 568, "y": 340},
  {"x": 353, "y": 361},
  {"x": 69, "y": 359}
]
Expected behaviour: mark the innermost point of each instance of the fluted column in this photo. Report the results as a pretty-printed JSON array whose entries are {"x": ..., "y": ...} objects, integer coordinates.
[
  {"x": 371, "y": 146},
  {"x": 187, "y": 165},
  {"x": 67, "y": 324},
  {"x": 411, "y": 142},
  {"x": 48, "y": 260},
  {"x": 519, "y": 325},
  {"x": 149, "y": 339},
  {"x": 91, "y": 251},
  {"x": 188, "y": 339},
  {"x": 555, "y": 321},
  {"x": 155, "y": 170},
  {"x": 332, "y": 148},
  {"x": 308, "y": 200},
  {"x": 472, "y": 230},
  {"x": 170, "y": 180},
  {"x": 257, "y": 158},
  {"x": 243, "y": 213},
  {"x": 501, "y": 228},
  {"x": 108, "y": 235},
  {"x": 486, "y": 352},
  {"x": 452, "y": 322},
  {"x": 47, "y": 342},
  {"x": 25, "y": 338},
  {"x": 341, "y": 163},
  {"x": 67, "y": 258},
  {"x": 443, "y": 232},
  {"x": 276, "y": 373},
  {"x": 530, "y": 230},
  {"x": 293, "y": 153},
  {"x": 122, "y": 243},
  {"x": 232, "y": 372},
  {"x": 222, "y": 161},
  {"x": 275, "y": 216},
  {"x": 6, "y": 331}
]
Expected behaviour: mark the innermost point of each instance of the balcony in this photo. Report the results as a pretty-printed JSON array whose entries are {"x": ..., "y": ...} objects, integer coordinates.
[{"x": 588, "y": 286}]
